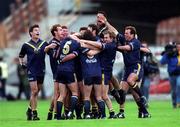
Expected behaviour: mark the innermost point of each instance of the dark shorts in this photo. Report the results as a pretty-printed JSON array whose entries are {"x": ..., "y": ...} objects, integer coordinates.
[
  {"x": 137, "y": 69},
  {"x": 65, "y": 77},
  {"x": 54, "y": 77},
  {"x": 106, "y": 77},
  {"x": 39, "y": 79},
  {"x": 78, "y": 73},
  {"x": 93, "y": 80}
]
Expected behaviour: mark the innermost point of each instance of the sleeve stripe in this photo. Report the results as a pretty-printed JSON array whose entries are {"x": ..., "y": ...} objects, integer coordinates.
[
  {"x": 75, "y": 53},
  {"x": 131, "y": 45}
]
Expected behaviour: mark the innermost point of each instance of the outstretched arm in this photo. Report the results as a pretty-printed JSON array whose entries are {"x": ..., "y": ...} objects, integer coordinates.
[
  {"x": 145, "y": 50},
  {"x": 124, "y": 48},
  {"x": 95, "y": 44}
]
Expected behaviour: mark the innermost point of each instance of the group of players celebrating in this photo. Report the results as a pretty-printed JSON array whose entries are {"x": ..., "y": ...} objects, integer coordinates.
[{"x": 82, "y": 65}]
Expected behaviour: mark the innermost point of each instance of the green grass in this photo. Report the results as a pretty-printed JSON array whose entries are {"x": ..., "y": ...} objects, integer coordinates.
[{"x": 12, "y": 114}]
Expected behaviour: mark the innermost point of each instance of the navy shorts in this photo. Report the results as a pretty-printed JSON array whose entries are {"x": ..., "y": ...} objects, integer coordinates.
[
  {"x": 106, "y": 77},
  {"x": 39, "y": 79},
  {"x": 78, "y": 73},
  {"x": 54, "y": 77},
  {"x": 65, "y": 77},
  {"x": 137, "y": 69},
  {"x": 93, "y": 80}
]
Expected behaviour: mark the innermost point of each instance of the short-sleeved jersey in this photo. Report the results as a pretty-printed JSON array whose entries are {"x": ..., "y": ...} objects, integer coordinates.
[
  {"x": 53, "y": 53},
  {"x": 107, "y": 56},
  {"x": 120, "y": 39},
  {"x": 68, "y": 46},
  {"x": 35, "y": 56},
  {"x": 132, "y": 57},
  {"x": 90, "y": 64}
]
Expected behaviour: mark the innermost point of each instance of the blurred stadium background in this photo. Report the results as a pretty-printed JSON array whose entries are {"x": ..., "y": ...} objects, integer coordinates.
[{"x": 157, "y": 22}]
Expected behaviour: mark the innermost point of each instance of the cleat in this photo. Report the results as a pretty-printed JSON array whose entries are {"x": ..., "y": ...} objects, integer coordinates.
[
  {"x": 87, "y": 117},
  {"x": 120, "y": 115},
  {"x": 95, "y": 115},
  {"x": 78, "y": 117},
  {"x": 70, "y": 115},
  {"x": 50, "y": 116},
  {"x": 29, "y": 114},
  {"x": 64, "y": 116},
  {"x": 103, "y": 117},
  {"x": 55, "y": 116},
  {"x": 144, "y": 115},
  {"x": 35, "y": 115},
  {"x": 112, "y": 115},
  {"x": 36, "y": 118}
]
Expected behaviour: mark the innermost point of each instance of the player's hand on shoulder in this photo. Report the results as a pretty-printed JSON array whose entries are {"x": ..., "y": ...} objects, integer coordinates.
[{"x": 52, "y": 45}]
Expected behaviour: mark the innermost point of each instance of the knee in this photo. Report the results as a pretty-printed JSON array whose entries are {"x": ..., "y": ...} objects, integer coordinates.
[
  {"x": 130, "y": 82},
  {"x": 98, "y": 98},
  {"x": 74, "y": 94},
  {"x": 105, "y": 97},
  {"x": 61, "y": 98},
  {"x": 34, "y": 92}
]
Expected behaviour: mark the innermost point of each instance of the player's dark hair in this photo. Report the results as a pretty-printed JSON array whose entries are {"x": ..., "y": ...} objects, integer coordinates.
[
  {"x": 54, "y": 28},
  {"x": 132, "y": 29},
  {"x": 32, "y": 27},
  {"x": 82, "y": 28},
  {"x": 88, "y": 36},
  {"x": 64, "y": 27},
  {"x": 102, "y": 12},
  {"x": 94, "y": 27}
]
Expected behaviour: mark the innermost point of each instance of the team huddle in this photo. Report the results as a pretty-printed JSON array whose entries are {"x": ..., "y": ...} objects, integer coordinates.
[{"x": 82, "y": 65}]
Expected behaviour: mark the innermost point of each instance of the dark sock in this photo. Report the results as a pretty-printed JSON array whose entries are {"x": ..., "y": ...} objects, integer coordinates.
[
  {"x": 95, "y": 112},
  {"x": 29, "y": 109},
  {"x": 115, "y": 94},
  {"x": 74, "y": 100},
  {"x": 137, "y": 90},
  {"x": 86, "y": 107},
  {"x": 141, "y": 106},
  {"x": 121, "y": 110},
  {"x": 122, "y": 95},
  {"x": 55, "y": 115},
  {"x": 51, "y": 110},
  {"x": 113, "y": 91},
  {"x": 34, "y": 113},
  {"x": 81, "y": 105},
  {"x": 66, "y": 111},
  {"x": 78, "y": 110},
  {"x": 59, "y": 109},
  {"x": 94, "y": 109},
  {"x": 101, "y": 106}
]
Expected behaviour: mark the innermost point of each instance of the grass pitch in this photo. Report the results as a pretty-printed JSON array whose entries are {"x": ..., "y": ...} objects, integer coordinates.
[{"x": 12, "y": 114}]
